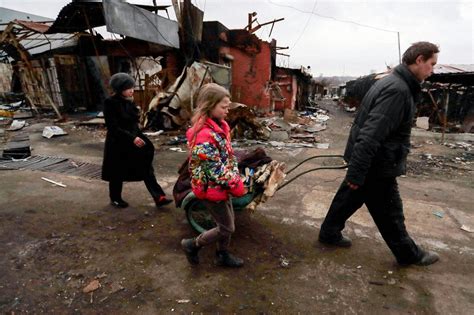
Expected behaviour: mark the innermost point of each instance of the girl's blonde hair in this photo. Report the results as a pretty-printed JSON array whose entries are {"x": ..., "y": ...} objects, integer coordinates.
[{"x": 209, "y": 96}]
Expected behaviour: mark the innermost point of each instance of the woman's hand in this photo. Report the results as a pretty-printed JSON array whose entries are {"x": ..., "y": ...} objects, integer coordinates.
[{"x": 138, "y": 142}]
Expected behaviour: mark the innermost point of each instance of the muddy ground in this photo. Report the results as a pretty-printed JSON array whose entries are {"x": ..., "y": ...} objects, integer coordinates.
[{"x": 54, "y": 241}]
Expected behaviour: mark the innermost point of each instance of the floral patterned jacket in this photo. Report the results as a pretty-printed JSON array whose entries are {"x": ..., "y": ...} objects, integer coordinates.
[{"x": 212, "y": 164}]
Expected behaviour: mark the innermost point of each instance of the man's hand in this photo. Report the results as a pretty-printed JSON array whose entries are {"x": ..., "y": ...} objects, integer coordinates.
[
  {"x": 352, "y": 186},
  {"x": 138, "y": 142}
]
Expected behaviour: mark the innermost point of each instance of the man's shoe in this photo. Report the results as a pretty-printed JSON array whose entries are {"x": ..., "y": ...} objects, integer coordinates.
[
  {"x": 342, "y": 242},
  {"x": 428, "y": 258},
  {"x": 191, "y": 250},
  {"x": 162, "y": 201},
  {"x": 119, "y": 203},
  {"x": 224, "y": 258}
]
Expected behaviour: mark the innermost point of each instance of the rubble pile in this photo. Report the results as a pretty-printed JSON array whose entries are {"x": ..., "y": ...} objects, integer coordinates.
[{"x": 295, "y": 129}]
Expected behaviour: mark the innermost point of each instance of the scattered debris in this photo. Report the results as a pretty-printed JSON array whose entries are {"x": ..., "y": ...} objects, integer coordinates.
[
  {"x": 285, "y": 263},
  {"x": 94, "y": 121},
  {"x": 244, "y": 123},
  {"x": 323, "y": 146},
  {"x": 279, "y": 135},
  {"x": 53, "y": 182},
  {"x": 459, "y": 145},
  {"x": 178, "y": 149},
  {"x": 51, "y": 131},
  {"x": 23, "y": 114},
  {"x": 181, "y": 139},
  {"x": 439, "y": 214},
  {"x": 100, "y": 276},
  {"x": 115, "y": 287},
  {"x": 18, "y": 147},
  {"x": 92, "y": 286},
  {"x": 183, "y": 301},
  {"x": 154, "y": 134},
  {"x": 17, "y": 125},
  {"x": 467, "y": 229},
  {"x": 423, "y": 123}
]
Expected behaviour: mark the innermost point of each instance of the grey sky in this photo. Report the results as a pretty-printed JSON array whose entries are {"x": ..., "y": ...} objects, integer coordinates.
[{"x": 328, "y": 46}]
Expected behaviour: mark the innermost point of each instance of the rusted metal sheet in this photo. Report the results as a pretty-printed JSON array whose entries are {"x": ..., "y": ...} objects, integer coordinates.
[
  {"x": 34, "y": 26},
  {"x": 129, "y": 20}
]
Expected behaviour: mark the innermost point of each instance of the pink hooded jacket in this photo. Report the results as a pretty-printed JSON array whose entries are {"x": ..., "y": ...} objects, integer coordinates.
[{"x": 212, "y": 164}]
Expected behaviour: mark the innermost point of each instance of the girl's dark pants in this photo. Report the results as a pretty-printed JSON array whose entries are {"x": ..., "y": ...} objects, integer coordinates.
[{"x": 223, "y": 214}]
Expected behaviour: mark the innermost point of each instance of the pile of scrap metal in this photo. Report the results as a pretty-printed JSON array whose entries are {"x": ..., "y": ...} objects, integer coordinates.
[
  {"x": 172, "y": 109},
  {"x": 13, "y": 106},
  {"x": 448, "y": 106},
  {"x": 245, "y": 124},
  {"x": 296, "y": 129}
]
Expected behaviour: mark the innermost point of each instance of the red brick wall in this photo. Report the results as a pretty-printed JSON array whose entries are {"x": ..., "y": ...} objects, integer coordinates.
[
  {"x": 250, "y": 76},
  {"x": 288, "y": 85}
]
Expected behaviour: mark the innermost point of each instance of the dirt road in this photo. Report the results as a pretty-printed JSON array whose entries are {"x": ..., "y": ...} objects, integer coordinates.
[{"x": 55, "y": 241}]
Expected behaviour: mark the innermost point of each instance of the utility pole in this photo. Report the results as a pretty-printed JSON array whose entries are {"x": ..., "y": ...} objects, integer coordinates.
[{"x": 399, "y": 54}]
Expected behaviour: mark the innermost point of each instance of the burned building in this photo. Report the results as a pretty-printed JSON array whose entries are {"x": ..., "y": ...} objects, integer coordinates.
[{"x": 447, "y": 96}]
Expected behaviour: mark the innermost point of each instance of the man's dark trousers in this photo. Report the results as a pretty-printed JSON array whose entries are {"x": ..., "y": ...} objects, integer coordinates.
[{"x": 382, "y": 198}]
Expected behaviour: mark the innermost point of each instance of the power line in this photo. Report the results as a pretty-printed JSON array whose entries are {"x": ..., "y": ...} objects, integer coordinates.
[
  {"x": 332, "y": 18},
  {"x": 306, "y": 25}
]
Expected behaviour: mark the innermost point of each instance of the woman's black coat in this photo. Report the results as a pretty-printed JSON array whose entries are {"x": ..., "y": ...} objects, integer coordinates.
[{"x": 123, "y": 161}]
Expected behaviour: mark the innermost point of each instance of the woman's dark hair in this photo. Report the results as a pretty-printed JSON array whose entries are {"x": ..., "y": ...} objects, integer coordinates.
[{"x": 425, "y": 49}]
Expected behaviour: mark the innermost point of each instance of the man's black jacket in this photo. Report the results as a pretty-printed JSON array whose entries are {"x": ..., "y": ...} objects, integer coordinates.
[{"x": 379, "y": 140}]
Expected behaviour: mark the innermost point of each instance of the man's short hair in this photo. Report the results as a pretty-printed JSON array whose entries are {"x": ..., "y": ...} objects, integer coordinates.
[{"x": 425, "y": 49}]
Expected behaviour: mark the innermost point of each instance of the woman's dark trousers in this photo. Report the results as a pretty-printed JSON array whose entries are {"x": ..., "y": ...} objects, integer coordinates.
[{"x": 115, "y": 187}]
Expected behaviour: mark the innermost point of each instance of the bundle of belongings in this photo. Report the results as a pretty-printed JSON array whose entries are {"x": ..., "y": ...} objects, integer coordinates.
[{"x": 260, "y": 174}]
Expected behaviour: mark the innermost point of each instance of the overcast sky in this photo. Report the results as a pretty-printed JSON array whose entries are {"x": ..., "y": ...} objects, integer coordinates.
[{"x": 329, "y": 46}]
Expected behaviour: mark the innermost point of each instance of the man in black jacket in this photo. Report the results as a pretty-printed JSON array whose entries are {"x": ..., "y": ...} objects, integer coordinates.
[{"x": 376, "y": 153}]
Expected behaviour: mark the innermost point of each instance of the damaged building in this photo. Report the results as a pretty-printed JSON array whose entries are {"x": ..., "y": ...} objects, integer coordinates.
[
  {"x": 447, "y": 97},
  {"x": 65, "y": 64}
]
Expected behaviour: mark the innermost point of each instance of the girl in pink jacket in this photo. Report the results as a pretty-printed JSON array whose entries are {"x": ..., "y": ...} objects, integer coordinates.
[{"x": 215, "y": 177}]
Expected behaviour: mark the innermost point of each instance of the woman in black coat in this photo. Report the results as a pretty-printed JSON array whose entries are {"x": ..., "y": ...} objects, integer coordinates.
[{"x": 128, "y": 153}]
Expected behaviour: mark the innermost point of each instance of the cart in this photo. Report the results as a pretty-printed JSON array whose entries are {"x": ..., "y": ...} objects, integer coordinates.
[{"x": 201, "y": 220}]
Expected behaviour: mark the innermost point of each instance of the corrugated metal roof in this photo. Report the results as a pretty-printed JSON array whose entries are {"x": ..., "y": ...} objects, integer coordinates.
[
  {"x": 8, "y": 15},
  {"x": 448, "y": 69},
  {"x": 34, "y": 26}
]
